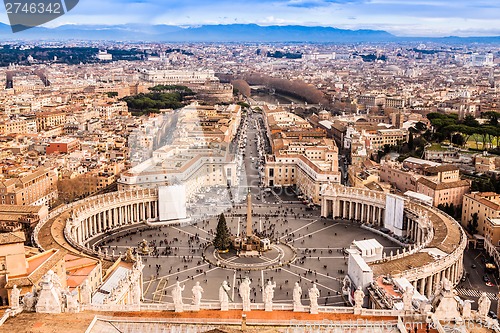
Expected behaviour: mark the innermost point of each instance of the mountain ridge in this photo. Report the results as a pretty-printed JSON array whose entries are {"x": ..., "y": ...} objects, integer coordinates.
[{"x": 220, "y": 33}]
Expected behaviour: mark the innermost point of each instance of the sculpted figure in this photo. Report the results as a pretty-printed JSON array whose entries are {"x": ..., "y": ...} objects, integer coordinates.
[
  {"x": 407, "y": 299},
  {"x": 245, "y": 293},
  {"x": 197, "y": 293},
  {"x": 297, "y": 294},
  {"x": 269, "y": 295},
  {"x": 177, "y": 293},
  {"x": 484, "y": 304},
  {"x": 224, "y": 296},
  {"x": 14, "y": 297},
  {"x": 359, "y": 295},
  {"x": 313, "y": 299}
]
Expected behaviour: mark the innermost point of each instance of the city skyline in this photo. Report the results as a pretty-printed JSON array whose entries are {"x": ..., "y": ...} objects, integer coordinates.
[{"x": 402, "y": 18}]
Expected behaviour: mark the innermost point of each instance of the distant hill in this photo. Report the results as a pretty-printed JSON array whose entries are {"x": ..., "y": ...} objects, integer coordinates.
[
  {"x": 204, "y": 33},
  {"x": 222, "y": 33}
]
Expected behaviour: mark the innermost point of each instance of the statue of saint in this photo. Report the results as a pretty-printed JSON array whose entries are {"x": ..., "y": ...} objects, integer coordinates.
[
  {"x": 407, "y": 299},
  {"x": 197, "y": 292},
  {"x": 224, "y": 296},
  {"x": 14, "y": 297},
  {"x": 29, "y": 301},
  {"x": 245, "y": 293},
  {"x": 484, "y": 304},
  {"x": 269, "y": 292},
  {"x": 359, "y": 296},
  {"x": 85, "y": 293},
  {"x": 177, "y": 293},
  {"x": 297, "y": 294},
  {"x": 313, "y": 297}
]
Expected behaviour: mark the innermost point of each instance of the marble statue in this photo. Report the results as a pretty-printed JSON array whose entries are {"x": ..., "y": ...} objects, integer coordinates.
[
  {"x": 446, "y": 285},
  {"x": 72, "y": 305},
  {"x": 467, "y": 310},
  {"x": 407, "y": 299},
  {"x": 197, "y": 293},
  {"x": 245, "y": 293},
  {"x": 346, "y": 284},
  {"x": 484, "y": 304},
  {"x": 359, "y": 296},
  {"x": 29, "y": 301},
  {"x": 269, "y": 295},
  {"x": 85, "y": 293},
  {"x": 177, "y": 296},
  {"x": 313, "y": 299},
  {"x": 14, "y": 297},
  {"x": 224, "y": 296},
  {"x": 297, "y": 294}
]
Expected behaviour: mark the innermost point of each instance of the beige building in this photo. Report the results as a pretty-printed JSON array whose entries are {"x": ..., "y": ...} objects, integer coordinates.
[
  {"x": 400, "y": 178},
  {"x": 384, "y": 137},
  {"x": 38, "y": 187},
  {"x": 443, "y": 184},
  {"x": 18, "y": 126},
  {"x": 50, "y": 119},
  {"x": 487, "y": 207}
]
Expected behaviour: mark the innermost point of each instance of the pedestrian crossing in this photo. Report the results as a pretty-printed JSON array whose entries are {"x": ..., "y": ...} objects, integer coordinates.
[{"x": 475, "y": 293}]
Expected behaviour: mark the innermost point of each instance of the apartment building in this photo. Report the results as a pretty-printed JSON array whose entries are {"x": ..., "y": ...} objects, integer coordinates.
[
  {"x": 487, "y": 206},
  {"x": 443, "y": 184},
  {"x": 50, "y": 119},
  {"x": 302, "y": 155},
  {"x": 380, "y": 138},
  {"x": 398, "y": 176},
  {"x": 164, "y": 76},
  {"x": 18, "y": 126},
  {"x": 37, "y": 187}
]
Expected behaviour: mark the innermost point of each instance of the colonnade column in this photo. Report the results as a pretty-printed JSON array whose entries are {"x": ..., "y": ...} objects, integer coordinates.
[
  {"x": 429, "y": 286},
  {"x": 421, "y": 289}
]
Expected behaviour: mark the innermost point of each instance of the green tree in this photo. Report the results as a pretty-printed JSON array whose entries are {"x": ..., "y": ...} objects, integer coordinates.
[
  {"x": 222, "y": 239},
  {"x": 473, "y": 224},
  {"x": 410, "y": 141}
]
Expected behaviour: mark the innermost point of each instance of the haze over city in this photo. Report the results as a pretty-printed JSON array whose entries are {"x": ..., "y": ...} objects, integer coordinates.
[{"x": 399, "y": 17}]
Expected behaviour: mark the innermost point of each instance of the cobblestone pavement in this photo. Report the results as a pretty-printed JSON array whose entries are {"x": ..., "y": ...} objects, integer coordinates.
[{"x": 319, "y": 244}]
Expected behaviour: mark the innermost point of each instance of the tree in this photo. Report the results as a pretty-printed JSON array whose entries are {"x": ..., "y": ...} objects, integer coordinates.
[
  {"x": 222, "y": 240},
  {"x": 473, "y": 224},
  {"x": 410, "y": 141}
]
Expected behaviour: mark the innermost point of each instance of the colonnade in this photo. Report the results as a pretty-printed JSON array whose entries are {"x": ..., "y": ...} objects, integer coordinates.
[
  {"x": 354, "y": 210},
  {"x": 427, "y": 285},
  {"x": 97, "y": 215},
  {"x": 369, "y": 207},
  {"x": 114, "y": 217}
]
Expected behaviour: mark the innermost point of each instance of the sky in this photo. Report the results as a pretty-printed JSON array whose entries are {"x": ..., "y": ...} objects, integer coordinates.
[{"x": 400, "y": 17}]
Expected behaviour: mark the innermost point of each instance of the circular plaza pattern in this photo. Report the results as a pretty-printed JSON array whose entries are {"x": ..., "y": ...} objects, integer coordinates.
[{"x": 106, "y": 226}]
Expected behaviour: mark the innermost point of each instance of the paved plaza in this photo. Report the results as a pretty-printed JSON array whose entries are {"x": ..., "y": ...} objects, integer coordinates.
[{"x": 177, "y": 254}]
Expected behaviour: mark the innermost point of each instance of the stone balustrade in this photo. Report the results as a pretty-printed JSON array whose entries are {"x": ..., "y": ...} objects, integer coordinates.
[{"x": 234, "y": 306}]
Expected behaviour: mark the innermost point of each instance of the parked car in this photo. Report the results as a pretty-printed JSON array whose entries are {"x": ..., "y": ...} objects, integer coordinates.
[
  {"x": 492, "y": 314},
  {"x": 486, "y": 278}
]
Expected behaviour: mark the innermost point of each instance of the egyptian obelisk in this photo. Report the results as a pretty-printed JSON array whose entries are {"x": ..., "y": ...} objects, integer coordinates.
[{"x": 249, "y": 214}]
